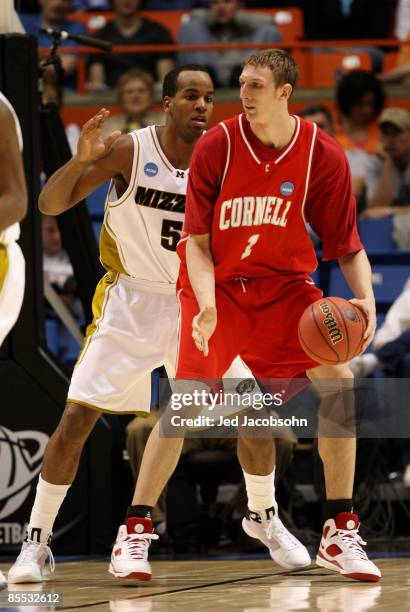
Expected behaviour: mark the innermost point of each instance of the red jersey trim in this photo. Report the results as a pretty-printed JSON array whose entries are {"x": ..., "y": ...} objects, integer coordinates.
[
  {"x": 293, "y": 141},
  {"x": 285, "y": 152},
  {"x": 228, "y": 154},
  {"x": 312, "y": 146},
  {"x": 252, "y": 152}
]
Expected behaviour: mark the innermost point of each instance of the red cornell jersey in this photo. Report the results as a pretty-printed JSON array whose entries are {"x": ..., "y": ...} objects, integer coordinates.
[
  {"x": 255, "y": 200},
  {"x": 258, "y": 224}
]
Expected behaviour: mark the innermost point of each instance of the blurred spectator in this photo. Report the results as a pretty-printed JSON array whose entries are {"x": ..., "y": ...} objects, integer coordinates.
[
  {"x": 360, "y": 99},
  {"x": 391, "y": 353},
  {"x": 129, "y": 28},
  {"x": 136, "y": 96},
  {"x": 321, "y": 115},
  {"x": 395, "y": 326},
  {"x": 174, "y": 5},
  {"x": 358, "y": 159},
  {"x": 401, "y": 74},
  {"x": 57, "y": 269},
  {"x": 388, "y": 176},
  {"x": 92, "y": 5},
  {"x": 52, "y": 93},
  {"x": 350, "y": 19},
  {"x": 54, "y": 14},
  {"x": 225, "y": 22},
  {"x": 353, "y": 19}
]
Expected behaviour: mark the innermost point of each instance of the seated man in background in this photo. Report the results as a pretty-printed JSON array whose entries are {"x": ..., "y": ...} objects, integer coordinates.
[
  {"x": 130, "y": 28},
  {"x": 225, "y": 22},
  {"x": 55, "y": 14},
  {"x": 358, "y": 159},
  {"x": 136, "y": 96},
  {"x": 388, "y": 176}
]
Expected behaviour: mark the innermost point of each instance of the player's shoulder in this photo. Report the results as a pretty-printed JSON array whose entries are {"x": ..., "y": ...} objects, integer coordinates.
[
  {"x": 216, "y": 136},
  {"x": 327, "y": 148}
]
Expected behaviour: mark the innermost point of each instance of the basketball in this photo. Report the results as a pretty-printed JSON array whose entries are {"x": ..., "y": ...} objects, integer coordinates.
[{"x": 331, "y": 330}]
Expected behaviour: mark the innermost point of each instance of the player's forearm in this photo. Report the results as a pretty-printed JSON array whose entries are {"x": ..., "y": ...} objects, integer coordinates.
[
  {"x": 56, "y": 196},
  {"x": 201, "y": 271},
  {"x": 357, "y": 271}
]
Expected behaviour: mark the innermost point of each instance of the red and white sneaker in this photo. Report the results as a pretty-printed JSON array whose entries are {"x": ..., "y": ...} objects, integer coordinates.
[
  {"x": 341, "y": 549},
  {"x": 129, "y": 558}
]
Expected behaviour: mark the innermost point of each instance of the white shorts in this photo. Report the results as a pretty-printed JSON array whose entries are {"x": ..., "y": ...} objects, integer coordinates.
[
  {"x": 12, "y": 291},
  {"x": 134, "y": 331}
]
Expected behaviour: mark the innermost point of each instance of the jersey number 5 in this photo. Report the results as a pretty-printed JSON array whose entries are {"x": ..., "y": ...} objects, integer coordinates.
[
  {"x": 251, "y": 243},
  {"x": 170, "y": 234}
]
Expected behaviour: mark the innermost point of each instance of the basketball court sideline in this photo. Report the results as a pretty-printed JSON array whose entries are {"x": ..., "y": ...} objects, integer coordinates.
[{"x": 239, "y": 585}]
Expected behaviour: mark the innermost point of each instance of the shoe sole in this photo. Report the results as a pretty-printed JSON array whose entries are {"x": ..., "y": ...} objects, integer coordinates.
[
  {"x": 282, "y": 564},
  {"x": 322, "y": 562},
  {"x": 130, "y": 575},
  {"x": 25, "y": 578}
]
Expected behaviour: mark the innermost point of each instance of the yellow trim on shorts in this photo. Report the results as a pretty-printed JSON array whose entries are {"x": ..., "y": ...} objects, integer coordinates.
[
  {"x": 99, "y": 305},
  {"x": 98, "y": 409},
  {"x": 4, "y": 264}
]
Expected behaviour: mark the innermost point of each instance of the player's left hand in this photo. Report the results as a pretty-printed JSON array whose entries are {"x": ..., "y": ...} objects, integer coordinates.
[
  {"x": 203, "y": 326},
  {"x": 368, "y": 307}
]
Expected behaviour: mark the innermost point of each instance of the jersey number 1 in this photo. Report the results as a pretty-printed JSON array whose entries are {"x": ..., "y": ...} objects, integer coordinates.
[
  {"x": 251, "y": 243},
  {"x": 170, "y": 234}
]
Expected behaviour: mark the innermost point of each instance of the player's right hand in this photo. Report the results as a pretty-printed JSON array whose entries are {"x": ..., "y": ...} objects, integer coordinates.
[
  {"x": 91, "y": 144},
  {"x": 203, "y": 326}
]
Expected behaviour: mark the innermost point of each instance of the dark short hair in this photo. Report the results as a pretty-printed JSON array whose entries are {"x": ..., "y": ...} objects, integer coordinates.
[
  {"x": 353, "y": 86},
  {"x": 169, "y": 86},
  {"x": 313, "y": 109}
]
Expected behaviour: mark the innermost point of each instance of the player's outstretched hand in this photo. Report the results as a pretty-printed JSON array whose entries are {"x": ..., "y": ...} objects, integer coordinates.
[
  {"x": 91, "y": 145},
  {"x": 368, "y": 307},
  {"x": 203, "y": 326}
]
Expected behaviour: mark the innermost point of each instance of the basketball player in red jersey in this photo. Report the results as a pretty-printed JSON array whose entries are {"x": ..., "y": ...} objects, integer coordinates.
[{"x": 255, "y": 181}]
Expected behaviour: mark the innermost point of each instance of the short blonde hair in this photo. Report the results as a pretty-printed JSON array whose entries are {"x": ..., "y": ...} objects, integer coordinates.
[{"x": 282, "y": 65}]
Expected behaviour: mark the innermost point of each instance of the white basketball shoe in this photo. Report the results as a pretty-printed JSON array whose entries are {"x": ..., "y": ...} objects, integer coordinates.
[
  {"x": 30, "y": 564},
  {"x": 129, "y": 558},
  {"x": 283, "y": 547},
  {"x": 341, "y": 549}
]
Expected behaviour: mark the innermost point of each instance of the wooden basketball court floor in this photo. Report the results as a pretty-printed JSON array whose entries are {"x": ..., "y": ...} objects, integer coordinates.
[{"x": 208, "y": 586}]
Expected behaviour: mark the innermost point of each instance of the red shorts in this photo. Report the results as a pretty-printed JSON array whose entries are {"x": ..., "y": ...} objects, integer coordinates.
[{"x": 257, "y": 319}]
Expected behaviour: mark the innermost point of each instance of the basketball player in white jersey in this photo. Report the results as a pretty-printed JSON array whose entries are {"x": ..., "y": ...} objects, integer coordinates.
[{"x": 13, "y": 207}]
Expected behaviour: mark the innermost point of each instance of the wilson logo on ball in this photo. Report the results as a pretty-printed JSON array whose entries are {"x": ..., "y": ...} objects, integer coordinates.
[{"x": 334, "y": 332}]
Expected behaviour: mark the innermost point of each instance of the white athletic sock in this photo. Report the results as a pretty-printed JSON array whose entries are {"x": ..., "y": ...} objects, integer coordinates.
[
  {"x": 260, "y": 491},
  {"x": 49, "y": 498}
]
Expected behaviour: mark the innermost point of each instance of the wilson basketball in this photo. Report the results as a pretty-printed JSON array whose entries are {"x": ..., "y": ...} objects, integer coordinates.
[{"x": 331, "y": 330}]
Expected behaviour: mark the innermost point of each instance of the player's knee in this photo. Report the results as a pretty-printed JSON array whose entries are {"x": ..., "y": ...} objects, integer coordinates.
[{"x": 77, "y": 423}]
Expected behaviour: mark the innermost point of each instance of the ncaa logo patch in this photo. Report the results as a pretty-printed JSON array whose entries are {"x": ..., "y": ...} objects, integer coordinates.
[
  {"x": 287, "y": 188},
  {"x": 151, "y": 169}
]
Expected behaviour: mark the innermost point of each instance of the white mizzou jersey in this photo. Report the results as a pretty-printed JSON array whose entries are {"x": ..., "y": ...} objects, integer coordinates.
[
  {"x": 141, "y": 229},
  {"x": 12, "y": 233}
]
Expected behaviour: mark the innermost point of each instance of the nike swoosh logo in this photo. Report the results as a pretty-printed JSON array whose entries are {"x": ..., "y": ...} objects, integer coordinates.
[{"x": 310, "y": 282}]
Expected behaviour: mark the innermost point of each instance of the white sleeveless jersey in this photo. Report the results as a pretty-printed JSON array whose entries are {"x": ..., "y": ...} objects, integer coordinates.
[
  {"x": 12, "y": 233},
  {"x": 141, "y": 229}
]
